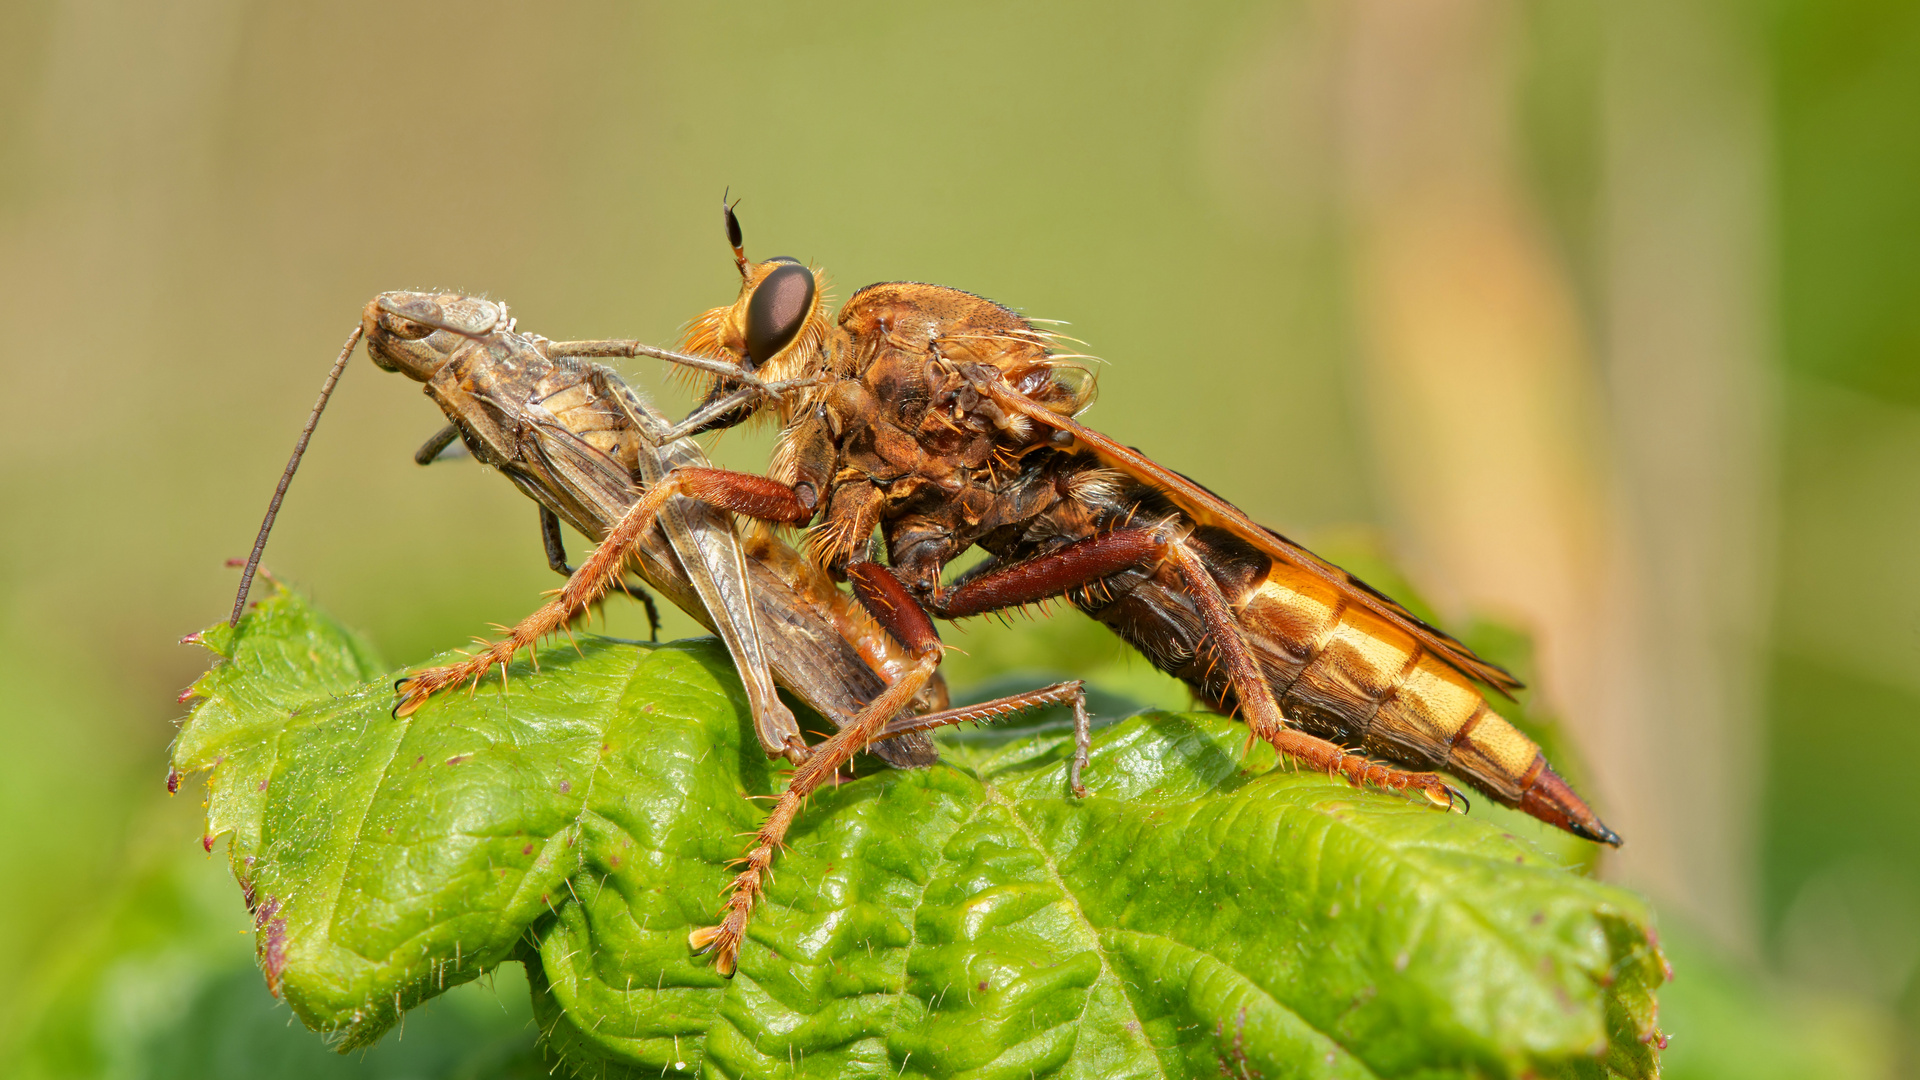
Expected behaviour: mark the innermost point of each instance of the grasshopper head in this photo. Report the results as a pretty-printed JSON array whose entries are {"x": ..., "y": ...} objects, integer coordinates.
[
  {"x": 415, "y": 333},
  {"x": 777, "y": 328}
]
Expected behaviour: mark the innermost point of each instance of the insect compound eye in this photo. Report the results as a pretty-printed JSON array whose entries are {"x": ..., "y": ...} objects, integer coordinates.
[
  {"x": 405, "y": 329},
  {"x": 778, "y": 309}
]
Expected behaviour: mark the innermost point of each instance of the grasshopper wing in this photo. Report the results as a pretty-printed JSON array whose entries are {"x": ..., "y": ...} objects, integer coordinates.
[{"x": 741, "y": 594}]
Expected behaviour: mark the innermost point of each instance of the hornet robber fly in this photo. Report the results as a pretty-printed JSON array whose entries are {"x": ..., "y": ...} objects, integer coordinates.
[{"x": 943, "y": 421}]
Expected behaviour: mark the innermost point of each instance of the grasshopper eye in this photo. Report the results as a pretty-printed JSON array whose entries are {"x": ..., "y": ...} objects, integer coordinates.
[
  {"x": 778, "y": 309},
  {"x": 405, "y": 329}
]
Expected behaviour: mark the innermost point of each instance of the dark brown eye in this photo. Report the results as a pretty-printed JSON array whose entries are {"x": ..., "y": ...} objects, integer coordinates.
[
  {"x": 405, "y": 329},
  {"x": 778, "y": 310}
]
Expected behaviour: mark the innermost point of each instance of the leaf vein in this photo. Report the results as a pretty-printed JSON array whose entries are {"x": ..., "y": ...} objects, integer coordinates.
[{"x": 1138, "y": 1028}]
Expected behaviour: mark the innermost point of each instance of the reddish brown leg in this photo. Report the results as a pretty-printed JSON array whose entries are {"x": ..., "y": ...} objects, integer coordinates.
[
  {"x": 1087, "y": 561},
  {"x": 742, "y": 493},
  {"x": 746, "y": 888},
  {"x": 882, "y": 595},
  {"x": 1079, "y": 563},
  {"x": 1072, "y": 693}
]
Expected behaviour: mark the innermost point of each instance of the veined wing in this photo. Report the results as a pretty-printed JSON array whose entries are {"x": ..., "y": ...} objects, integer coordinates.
[{"x": 1206, "y": 508}]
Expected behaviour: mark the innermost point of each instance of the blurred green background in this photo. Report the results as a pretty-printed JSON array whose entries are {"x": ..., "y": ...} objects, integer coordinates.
[{"x": 1600, "y": 319}]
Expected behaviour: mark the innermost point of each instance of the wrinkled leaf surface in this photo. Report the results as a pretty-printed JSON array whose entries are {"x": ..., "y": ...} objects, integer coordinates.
[{"x": 1207, "y": 912}]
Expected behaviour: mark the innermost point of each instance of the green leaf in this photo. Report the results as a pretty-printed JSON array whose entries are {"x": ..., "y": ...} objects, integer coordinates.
[
  {"x": 158, "y": 986},
  {"x": 1206, "y": 912}
]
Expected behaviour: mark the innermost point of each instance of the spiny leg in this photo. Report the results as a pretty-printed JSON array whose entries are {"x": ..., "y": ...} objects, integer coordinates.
[
  {"x": 1072, "y": 693},
  {"x": 882, "y": 595},
  {"x": 747, "y": 886},
  {"x": 556, "y": 546},
  {"x": 1087, "y": 561},
  {"x": 1256, "y": 696},
  {"x": 1043, "y": 578},
  {"x": 744, "y": 493}
]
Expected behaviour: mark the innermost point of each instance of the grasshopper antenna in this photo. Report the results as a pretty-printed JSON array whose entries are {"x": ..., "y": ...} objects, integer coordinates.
[{"x": 286, "y": 477}]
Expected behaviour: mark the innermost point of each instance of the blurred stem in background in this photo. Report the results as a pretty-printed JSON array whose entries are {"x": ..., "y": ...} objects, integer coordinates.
[
  {"x": 1552, "y": 226},
  {"x": 1689, "y": 365},
  {"x": 1598, "y": 470},
  {"x": 1489, "y": 429}
]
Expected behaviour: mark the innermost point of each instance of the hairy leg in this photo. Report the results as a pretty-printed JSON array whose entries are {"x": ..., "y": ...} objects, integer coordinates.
[
  {"x": 1087, "y": 561},
  {"x": 744, "y": 493},
  {"x": 556, "y": 546},
  {"x": 1263, "y": 713},
  {"x": 1071, "y": 693},
  {"x": 883, "y": 595}
]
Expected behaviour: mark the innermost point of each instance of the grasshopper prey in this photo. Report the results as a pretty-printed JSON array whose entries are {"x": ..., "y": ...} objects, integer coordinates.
[
  {"x": 946, "y": 422},
  {"x": 572, "y": 436}
]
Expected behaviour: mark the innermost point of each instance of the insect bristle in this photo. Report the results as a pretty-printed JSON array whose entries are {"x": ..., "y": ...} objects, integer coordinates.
[{"x": 1097, "y": 486}]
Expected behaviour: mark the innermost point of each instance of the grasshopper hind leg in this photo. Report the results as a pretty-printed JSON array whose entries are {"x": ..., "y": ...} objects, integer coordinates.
[
  {"x": 741, "y": 493},
  {"x": 557, "y": 559},
  {"x": 445, "y": 445}
]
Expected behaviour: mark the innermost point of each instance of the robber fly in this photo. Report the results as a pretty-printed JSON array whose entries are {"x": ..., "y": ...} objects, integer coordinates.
[
  {"x": 946, "y": 422},
  {"x": 577, "y": 440}
]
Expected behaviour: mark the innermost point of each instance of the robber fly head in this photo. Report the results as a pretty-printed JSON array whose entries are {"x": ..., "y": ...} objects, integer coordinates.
[
  {"x": 777, "y": 328},
  {"x": 415, "y": 333}
]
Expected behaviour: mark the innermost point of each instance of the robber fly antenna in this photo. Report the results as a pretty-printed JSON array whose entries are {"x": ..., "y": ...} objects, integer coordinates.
[
  {"x": 286, "y": 477},
  {"x": 734, "y": 237}
]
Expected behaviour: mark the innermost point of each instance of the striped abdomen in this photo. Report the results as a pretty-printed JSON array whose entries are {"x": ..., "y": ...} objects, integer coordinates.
[{"x": 1344, "y": 674}]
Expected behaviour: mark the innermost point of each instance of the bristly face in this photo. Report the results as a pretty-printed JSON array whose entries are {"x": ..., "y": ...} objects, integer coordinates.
[{"x": 777, "y": 329}]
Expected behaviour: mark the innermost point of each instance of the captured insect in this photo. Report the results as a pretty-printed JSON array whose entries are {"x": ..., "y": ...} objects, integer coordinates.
[
  {"x": 575, "y": 438},
  {"x": 943, "y": 422}
]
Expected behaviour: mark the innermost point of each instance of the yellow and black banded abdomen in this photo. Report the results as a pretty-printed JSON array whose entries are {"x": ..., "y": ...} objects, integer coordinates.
[
  {"x": 1348, "y": 675},
  {"x": 1343, "y": 673}
]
